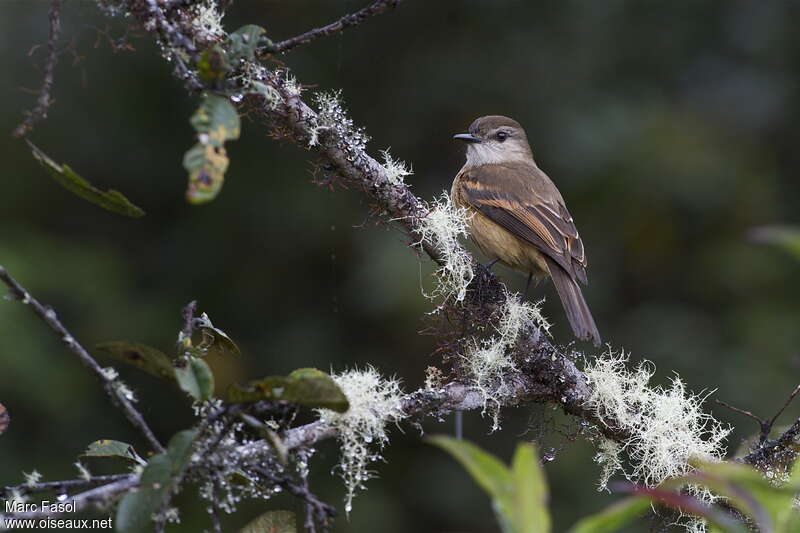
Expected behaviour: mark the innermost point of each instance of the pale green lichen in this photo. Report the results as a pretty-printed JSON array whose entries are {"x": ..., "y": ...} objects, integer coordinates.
[
  {"x": 332, "y": 117},
  {"x": 666, "y": 426},
  {"x": 32, "y": 478},
  {"x": 83, "y": 472},
  {"x": 488, "y": 362},
  {"x": 207, "y": 21},
  {"x": 442, "y": 229},
  {"x": 396, "y": 170},
  {"x": 361, "y": 430}
]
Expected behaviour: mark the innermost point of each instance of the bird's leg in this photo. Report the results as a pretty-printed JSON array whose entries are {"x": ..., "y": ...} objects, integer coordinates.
[{"x": 528, "y": 284}]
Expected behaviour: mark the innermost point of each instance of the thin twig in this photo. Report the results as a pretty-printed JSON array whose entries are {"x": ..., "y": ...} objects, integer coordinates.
[
  {"x": 111, "y": 384},
  {"x": 101, "y": 496},
  {"x": 764, "y": 425},
  {"x": 348, "y": 21},
  {"x": 176, "y": 42},
  {"x": 187, "y": 313},
  {"x": 61, "y": 486},
  {"x": 215, "y": 522},
  {"x": 43, "y": 102},
  {"x": 785, "y": 405},
  {"x": 780, "y": 451}
]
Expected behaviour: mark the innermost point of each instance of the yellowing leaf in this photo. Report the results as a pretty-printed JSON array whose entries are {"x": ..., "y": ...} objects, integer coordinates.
[{"x": 215, "y": 121}]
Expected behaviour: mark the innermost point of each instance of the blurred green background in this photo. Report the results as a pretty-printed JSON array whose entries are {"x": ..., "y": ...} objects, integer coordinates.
[{"x": 670, "y": 128}]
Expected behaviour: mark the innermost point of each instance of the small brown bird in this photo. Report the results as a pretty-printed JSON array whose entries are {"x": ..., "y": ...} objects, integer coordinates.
[{"x": 519, "y": 217}]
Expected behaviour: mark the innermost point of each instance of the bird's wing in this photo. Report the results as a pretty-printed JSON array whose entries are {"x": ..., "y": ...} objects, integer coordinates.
[{"x": 525, "y": 202}]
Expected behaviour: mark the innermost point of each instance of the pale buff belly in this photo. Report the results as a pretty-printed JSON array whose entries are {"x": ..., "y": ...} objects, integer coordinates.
[{"x": 497, "y": 243}]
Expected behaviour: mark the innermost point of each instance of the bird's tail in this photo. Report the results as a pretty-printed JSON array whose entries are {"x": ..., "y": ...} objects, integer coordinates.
[{"x": 578, "y": 314}]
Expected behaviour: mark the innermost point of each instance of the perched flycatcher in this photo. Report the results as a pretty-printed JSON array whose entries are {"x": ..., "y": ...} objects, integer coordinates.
[{"x": 518, "y": 215}]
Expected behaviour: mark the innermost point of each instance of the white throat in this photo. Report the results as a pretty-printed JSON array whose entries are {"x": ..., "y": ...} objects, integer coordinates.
[{"x": 490, "y": 153}]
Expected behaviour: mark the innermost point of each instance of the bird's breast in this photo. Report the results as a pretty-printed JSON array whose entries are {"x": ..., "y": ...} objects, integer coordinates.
[{"x": 495, "y": 242}]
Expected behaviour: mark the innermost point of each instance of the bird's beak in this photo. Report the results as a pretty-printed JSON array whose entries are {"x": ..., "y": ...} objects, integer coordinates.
[{"x": 467, "y": 138}]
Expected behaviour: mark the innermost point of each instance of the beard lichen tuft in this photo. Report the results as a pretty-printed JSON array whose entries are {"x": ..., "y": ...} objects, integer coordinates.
[
  {"x": 361, "y": 430},
  {"x": 441, "y": 229},
  {"x": 396, "y": 170},
  {"x": 207, "y": 21},
  {"x": 488, "y": 362},
  {"x": 666, "y": 426},
  {"x": 332, "y": 119}
]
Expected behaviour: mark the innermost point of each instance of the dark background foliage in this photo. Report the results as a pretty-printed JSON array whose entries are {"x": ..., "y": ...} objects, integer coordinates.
[{"x": 670, "y": 128}]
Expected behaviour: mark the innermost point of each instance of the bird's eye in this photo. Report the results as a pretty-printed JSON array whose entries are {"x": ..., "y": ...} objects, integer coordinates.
[{"x": 501, "y": 136}]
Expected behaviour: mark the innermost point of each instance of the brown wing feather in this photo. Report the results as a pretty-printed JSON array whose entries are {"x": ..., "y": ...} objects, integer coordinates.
[{"x": 523, "y": 200}]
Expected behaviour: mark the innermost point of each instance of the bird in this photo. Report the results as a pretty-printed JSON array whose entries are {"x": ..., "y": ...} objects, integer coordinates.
[{"x": 517, "y": 216}]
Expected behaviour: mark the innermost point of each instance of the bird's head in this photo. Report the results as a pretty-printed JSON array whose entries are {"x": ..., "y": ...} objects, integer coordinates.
[{"x": 495, "y": 139}]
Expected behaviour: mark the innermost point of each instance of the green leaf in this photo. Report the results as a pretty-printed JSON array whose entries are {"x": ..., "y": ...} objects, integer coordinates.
[
  {"x": 243, "y": 42},
  {"x": 488, "y": 472},
  {"x": 314, "y": 388},
  {"x": 179, "y": 449},
  {"x": 195, "y": 378},
  {"x": 785, "y": 237},
  {"x": 112, "y": 448},
  {"x": 308, "y": 387},
  {"x": 613, "y": 517},
  {"x": 162, "y": 473},
  {"x": 146, "y": 358},
  {"x": 215, "y": 121},
  {"x": 272, "y": 522},
  {"x": 529, "y": 510},
  {"x": 109, "y": 200},
  {"x": 136, "y": 509}
]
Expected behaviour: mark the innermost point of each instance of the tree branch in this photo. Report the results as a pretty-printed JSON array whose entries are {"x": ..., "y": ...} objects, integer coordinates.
[
  {"x": 43, "y": 102},
  {"x": 101, "y": 496},
  {"x": 61, "y": 486},
  {"x": 781, "y": 451},
  {"x": 539, "y": 381},
  {"x": 113, "y": 387},
  {"x": 348, "y": 21}
]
